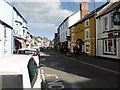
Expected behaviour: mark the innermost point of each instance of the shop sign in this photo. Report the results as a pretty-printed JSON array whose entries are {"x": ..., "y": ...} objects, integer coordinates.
[
  {"x": 114, "y": 35},
  {"x": 116, "y": 18}
]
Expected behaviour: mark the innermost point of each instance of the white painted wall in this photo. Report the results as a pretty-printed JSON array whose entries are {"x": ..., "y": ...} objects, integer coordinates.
[
  {"x": 6, "y": 17},
  {"x": 8, "y": 46},
  {"x": 1, "y": 40},
  {"x": 64, "y": 32},
  {"x": 70, "y": 21},
  {"x": 100, "y": 35},
  {"x": 17, "y": 27},
  {"x": 5, "y": 12},
  {"x": 74, "y": 18}
]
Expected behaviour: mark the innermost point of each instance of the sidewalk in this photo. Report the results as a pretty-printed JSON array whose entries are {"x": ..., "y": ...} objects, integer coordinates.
[{"x": 102, "y": 62}]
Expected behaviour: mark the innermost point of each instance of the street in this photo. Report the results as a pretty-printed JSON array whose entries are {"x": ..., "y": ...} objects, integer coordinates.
[{"x": 76, "y": 74}]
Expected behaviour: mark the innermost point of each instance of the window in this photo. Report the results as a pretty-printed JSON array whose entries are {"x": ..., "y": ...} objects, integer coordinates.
[
  {"x": 87, "y": 34},
  {"x": 72, "y": 29},
  {"x": 72, "y": 38},
  {"x": 106, "y": 23},
  {"x": 110, "y": 46},
  {"x": 87, "y": 23},
  {"x": 5, "y": 30},
  {"x": 87, "y": 47},
  {"x": 66, "y": 33},
  {"x": 66, "y": 24},
  {"x": 111, "y": 21},
  {"x": 33, "y": 72}
]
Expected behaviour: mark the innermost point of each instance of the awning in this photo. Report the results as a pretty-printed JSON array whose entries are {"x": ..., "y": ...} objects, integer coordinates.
[{"x": 21, "y": 41}]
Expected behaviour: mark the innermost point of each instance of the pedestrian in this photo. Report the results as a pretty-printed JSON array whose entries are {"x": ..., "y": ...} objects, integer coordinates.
[
  {"x": 75, "y": 49},
  {"x": 68, "y": 52},
  {"x": 17, "y": 49}
]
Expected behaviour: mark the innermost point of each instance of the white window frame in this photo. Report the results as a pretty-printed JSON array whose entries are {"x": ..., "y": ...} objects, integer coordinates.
[
  {"x": 106, "y": 48},
  {"x": 72, "y": 29},
  {"x": 72, "y": 45},
  {"x": 73, "y": 38},
  {"x": 87, "y": 31},
  {"x": 87, "y": 43},
  {"x": 105, "y": 24},
  {"x": 87, "y": 21},
  {"x": 111, "y": 21}
]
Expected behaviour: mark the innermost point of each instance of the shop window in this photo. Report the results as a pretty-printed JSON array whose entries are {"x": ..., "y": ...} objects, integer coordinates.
[{"x": 110, "y": 46}]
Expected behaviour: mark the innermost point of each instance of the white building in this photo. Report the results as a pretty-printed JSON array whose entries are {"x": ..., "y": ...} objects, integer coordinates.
[
  {"x": 64, "y": 28},
  {"x": 13, "y": 28},
  {"x": 5, "y": 28},
  {"x": 19, "y": 29},
  {"x": 107, "y": 32}
]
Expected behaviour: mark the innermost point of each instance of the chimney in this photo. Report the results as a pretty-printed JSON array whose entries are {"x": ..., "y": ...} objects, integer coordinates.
[{"x": 83, "y": 9}]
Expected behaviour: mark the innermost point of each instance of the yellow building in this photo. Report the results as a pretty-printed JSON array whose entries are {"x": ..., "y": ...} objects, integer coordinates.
[{"x": 83, "y": 35}]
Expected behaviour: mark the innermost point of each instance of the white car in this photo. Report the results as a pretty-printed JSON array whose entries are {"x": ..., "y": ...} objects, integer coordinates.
[
  {"x": 19, "y": 71},
  {"x": 33, "y": 52}
]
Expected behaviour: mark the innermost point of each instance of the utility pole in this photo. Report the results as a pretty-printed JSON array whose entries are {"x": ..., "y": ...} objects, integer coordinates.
[{"x": 95, "y": 38}]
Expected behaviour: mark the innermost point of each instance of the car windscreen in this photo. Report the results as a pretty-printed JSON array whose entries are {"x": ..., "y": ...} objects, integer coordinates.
[
  {"x": 26, "y": 52},
  {"x": 11, "y": 81}
]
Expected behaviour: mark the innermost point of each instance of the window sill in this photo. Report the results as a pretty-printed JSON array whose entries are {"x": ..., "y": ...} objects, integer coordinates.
[{"x": 109, "y": 53}]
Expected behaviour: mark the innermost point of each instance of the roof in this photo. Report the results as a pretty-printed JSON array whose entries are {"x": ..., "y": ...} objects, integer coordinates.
[
  {"x": 19, "y": 14},
  {"x": 112, "y": 7},
  {"x": 13, "y": 64},
  {"x": 92, "y": 13},
  {"x": 15, "y": 10},
  {"x": 1, "y": 22}
]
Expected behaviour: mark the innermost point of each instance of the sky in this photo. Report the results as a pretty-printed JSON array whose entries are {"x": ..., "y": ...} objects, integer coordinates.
[{"x": 44, "y": 16}]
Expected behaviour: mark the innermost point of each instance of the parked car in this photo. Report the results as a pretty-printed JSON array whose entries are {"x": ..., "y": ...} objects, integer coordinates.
[
  {"x": 19, "y": 71},
  {"x": 33, "y": 52}
]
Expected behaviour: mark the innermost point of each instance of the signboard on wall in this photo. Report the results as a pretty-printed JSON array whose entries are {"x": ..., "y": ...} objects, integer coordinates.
[{"x": 116, "y": 18}]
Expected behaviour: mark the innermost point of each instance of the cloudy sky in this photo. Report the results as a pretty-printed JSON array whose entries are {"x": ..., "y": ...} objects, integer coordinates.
[{"x": 44, "y": 16}]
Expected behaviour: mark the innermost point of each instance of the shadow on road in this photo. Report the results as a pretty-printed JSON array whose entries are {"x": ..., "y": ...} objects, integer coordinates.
[{"x": 75, "y": 75}]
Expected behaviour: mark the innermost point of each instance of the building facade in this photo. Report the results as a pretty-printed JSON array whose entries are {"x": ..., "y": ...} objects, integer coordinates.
[
  {"x": 64, "y": 31},
  {"x": 19, "y": 30},
  {"x": 108, "y": 31},
  {"x": 5, "y": 28},
  {"x": 83, "y": 33}
]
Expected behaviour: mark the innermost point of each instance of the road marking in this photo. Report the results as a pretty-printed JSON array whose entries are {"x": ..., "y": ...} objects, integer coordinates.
[
  {"x": 48, "y": 75},
  {"x": 42, "y": 76},
  {"x": 113, "y": 71}
]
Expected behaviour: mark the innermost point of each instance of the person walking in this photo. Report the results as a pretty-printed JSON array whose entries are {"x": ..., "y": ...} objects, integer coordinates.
[{"x": 75, "y": 49}]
